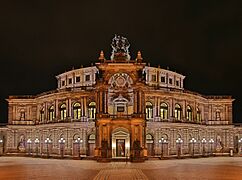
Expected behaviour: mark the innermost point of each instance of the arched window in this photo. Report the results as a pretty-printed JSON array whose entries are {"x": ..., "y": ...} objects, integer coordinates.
[
  {"x": 77, "y": 111},
  {"x": 198, "y": 117},
  {"x": 149, "y": 110},
  {"x": 164, "y": 111},
  {"x": 42, "y": 115},
  {"x": 63, "y": 111},
  {"x": 92, "y": 110},
  {"x": 178, "y": 111},
  {"x": 51, "y": 113},
  {"x": 189, "y": 113}
]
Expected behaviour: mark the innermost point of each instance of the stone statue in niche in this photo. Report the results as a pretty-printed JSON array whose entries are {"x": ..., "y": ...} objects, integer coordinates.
[
  {"x": 219, "y": 144},
  {"x": 21, "y": 145}
]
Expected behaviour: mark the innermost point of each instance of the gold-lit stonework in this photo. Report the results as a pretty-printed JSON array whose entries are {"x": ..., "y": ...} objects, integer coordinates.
[{"x": 120, "y": 108}]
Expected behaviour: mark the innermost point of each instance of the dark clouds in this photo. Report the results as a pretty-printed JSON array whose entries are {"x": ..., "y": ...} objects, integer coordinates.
[{"x": 200, "y": 39}]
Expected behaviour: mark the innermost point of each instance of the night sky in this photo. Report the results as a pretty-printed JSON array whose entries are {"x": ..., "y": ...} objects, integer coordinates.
[{"x": 201, "y": 39}]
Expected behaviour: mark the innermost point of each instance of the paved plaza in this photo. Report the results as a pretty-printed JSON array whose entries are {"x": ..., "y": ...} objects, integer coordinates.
[{"x": 204, "y": 168}]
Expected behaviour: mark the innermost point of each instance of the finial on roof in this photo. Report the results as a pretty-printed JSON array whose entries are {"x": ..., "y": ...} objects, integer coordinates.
[
  {"x": 139, "y": 56},
  {"x": 101, "y": 56}
]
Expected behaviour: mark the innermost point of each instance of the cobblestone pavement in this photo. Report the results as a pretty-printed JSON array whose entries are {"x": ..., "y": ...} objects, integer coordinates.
[{"x": 205, "y": 168}]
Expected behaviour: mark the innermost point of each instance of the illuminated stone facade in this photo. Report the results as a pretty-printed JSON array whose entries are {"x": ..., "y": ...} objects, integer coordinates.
[{"x": 119, "y": 108}]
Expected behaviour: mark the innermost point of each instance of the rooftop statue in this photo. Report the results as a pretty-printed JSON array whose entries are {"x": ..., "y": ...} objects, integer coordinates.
[{"x": 120, "y": 46}]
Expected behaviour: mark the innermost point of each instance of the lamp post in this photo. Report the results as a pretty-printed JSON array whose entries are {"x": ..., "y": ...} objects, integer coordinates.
[
  {"x": 179, "y": 141},
  {"x": 78, "y": 141},
  {"x": 47, "y": 142},
  {"x": 240, "y": 145},
  {"x": 1, "y": 144},
  {"x": 193, "y": 141},
  {"x": 204, "y": 141},
  {"x": 29, "y": 142},
  {"x": 211, "y": 141},
  {"x": 162, "y": 141},
  {"x": 36, "y": 141},
  {"x": 62, "y": 146}
]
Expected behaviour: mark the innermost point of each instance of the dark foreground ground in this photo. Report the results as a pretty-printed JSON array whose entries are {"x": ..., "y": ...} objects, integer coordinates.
[{"x": 205, "y": 168}]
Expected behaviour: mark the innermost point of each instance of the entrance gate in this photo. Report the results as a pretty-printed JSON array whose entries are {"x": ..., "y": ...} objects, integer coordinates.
[{"x": 120, "y": 143}]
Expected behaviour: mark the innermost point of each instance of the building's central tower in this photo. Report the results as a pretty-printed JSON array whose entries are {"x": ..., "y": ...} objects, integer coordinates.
[{"x": 120, "y": 119}]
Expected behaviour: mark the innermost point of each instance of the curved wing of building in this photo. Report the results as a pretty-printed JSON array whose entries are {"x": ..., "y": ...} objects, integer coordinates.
[{"x": 120, "y": 108}]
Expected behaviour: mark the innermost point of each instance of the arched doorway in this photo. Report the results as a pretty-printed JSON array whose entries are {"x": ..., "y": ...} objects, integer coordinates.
[
  {"x": 91, "y": 144},
  {"x": 120, "y": 143},
  {"x": 150, "y": 145}
]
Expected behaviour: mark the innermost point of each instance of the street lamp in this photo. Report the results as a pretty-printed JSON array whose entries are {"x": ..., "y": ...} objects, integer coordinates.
[
  {"x": 62, "y": 146},
  {"x": 78, "y": 141},
  {"x": 193, "y": 141},
  {"x": 47, "y": 142},
  {"x": 29, "y": 144},
  {"x": 240, "y": 145},
  {"x": 36, "y": 141},
  {"x": 204, "y": 141},
  {"x": 179, "y": 141},
  {"x": 1, "y": 150},
  {"x": 162, "y": 141},
  {"x": 211, "y": 141}
]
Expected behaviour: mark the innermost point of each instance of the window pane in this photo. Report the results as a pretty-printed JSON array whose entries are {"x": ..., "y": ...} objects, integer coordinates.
[
  {"x": 88, "y": 77},
  {"x": 163, "y": 79},
  {"x": 78, "y": 79}
]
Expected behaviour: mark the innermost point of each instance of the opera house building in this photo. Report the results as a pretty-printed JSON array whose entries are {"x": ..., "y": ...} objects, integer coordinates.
[{"x": 120, "y": 108}]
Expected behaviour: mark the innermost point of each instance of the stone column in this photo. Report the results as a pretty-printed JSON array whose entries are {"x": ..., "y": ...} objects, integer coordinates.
[
  {"x": 106, "y": 101},
  {"x": 184, "y": 110},
  {"x": 46, "y": 118},
  {"x": 100, "y": 101},
  {"x": 135, "y": 102},
  {"x": 82, "y": 107},
  {"x": 70, "y": 108},
  {"x": 57, "y": 116},
  {"x": 158, "y": 107},
  {"x": 85, "y": 106}
]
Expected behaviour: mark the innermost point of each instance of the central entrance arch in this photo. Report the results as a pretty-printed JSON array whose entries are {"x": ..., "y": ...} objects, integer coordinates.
[{"x": 120, "y": 143}]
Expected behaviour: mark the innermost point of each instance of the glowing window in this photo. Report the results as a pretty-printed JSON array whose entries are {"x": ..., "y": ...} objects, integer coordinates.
[
  {"x": 92, "y": 110},
  {"x": 77, "y": 111},
  {"x": 178, "y": 111},
  {"x": 164, "y": 111},
  {"x": 189, "y": 113},
  {"x": 149, "y": 110},
  {"x": 198, "y": 116},
  {"x": 51, "y": 113},
  {"x": 63, "y": 111}
]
